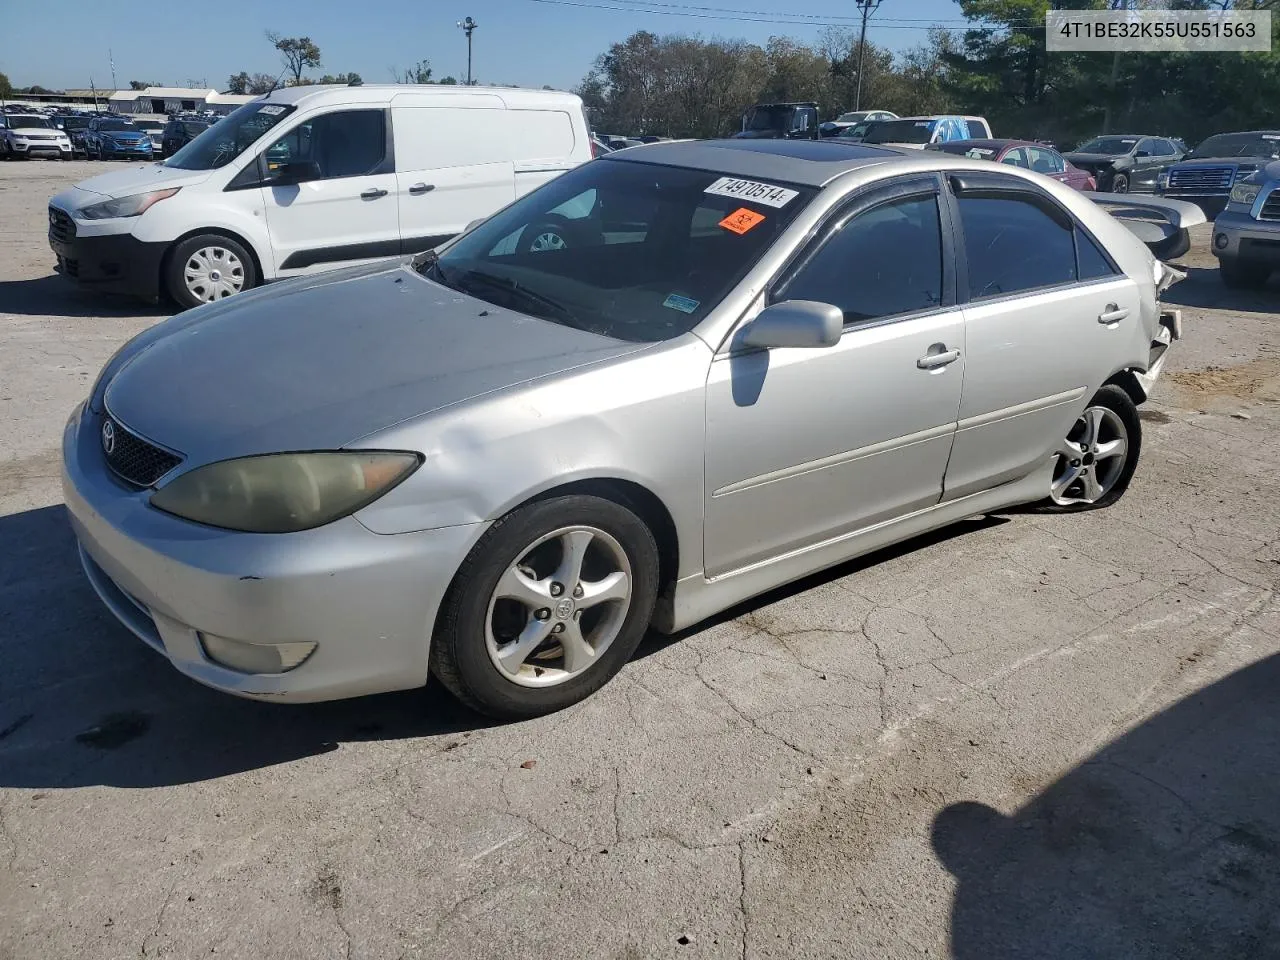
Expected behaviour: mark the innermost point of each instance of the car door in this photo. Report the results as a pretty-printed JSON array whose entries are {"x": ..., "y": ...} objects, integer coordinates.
[
  {"x": 1048, "y": 162},
  {"x": 1046, "y": 312},
  {"x": 453, "y": 165},
  {"x": 341, "y": 206},
  {"x": 1146, "y": 165},
  {"x": 808, "y": 444}
]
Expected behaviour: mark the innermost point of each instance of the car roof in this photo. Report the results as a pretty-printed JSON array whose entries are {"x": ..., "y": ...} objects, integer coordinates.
[
  {"x": 384, "y": 92},
  {"x": 810, "y": 163},
  {"x": 995, "y": 143}
]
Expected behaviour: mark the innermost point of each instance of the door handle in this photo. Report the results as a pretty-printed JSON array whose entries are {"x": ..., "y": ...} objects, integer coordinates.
[
  {"x": 1113, "y": 314},
  {"x": 420, "y": 188},
  {"x": 931, "y": 361},
  {"x": 373, "y": 194}
]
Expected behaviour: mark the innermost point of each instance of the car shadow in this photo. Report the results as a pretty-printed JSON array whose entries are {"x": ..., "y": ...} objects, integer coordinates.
[
  {"x": 55, "y": 296},
  {"x": 1204, "y": 288},
  {"x": 1163, "y": 844}
]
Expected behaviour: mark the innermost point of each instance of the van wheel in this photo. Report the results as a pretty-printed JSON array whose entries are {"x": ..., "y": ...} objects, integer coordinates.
[{"x": 207, "y": 268}]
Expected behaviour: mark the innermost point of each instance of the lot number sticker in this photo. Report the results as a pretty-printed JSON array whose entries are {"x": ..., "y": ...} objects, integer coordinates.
[
  {"x": 766, "y": 193},
  {"x": 742, "y": 220}
]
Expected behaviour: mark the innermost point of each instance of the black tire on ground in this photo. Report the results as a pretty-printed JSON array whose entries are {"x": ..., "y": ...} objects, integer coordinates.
[
  {"x": 1173, "y": 247},
  {"x": 171, "y": 273},
  {"x": 459, "y": 658},
  {"x": 1115, "y": 399},
  {"x": 1120, "y": 183},
  {"x": 1243, "y": 273}
]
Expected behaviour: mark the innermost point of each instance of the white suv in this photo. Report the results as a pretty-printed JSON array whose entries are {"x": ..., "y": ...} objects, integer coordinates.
[{"x": 29, "y": 135}]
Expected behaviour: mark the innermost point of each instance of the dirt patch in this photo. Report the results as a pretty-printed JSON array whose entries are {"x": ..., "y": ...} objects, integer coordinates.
[
  {"x": 1255, "y": 380},
  {"x": 1154, "y": 416}
]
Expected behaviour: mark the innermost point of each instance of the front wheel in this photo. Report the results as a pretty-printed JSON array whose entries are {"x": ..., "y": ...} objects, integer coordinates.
[
  {"x": 547, "y": 607},
  {"x": 1120, "y": 183},
  {"x": 207, "y": 268},
  {"x": 1096, "y": 460}
]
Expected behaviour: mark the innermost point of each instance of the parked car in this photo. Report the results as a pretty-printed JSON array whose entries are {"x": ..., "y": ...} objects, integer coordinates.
[
  {"x": 1027, "y": 154},
  {"x": 154, "y": 130},
  {"x": 1126, "y": 163},
  {"x": 178, "y": 133},
  {"x": 780, "y": 121},
  {"x": 74, "y": 126},
  {"x": 116, "y": 138},
  {"x": 621, "y": 143},
  {"x": 918, "y": 132},
  {"x": 843, "y": 123},
  {"x": 387, "y": 169},
  {"x": 498, "y": 462},
  {"x": 1246, "y": 234},
  {"x": 26, "y": 136},
  {"x": 599, "y": 147},
  {"x": 1209, "y": 173}
]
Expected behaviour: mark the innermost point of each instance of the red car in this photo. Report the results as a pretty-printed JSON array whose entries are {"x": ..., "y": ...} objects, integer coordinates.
[{"x": 1022, "y": 153}]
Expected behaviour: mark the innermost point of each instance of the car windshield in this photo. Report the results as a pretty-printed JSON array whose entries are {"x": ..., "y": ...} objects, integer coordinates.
[
  {"x": 116, "y": 123},
  {"x": 768, "y": 118},
  {"x": 632, "y": 251},
  {"x": 1110, "y": 146},
  {"x": 899, "y": 131},
  {"x": 28, "y": 121},
  {"x": 853, "y": 117},
  {"x": 74, "y": 123},
  {"x": 229, "y": 137},
  {"x": 1239, "y": 145}
]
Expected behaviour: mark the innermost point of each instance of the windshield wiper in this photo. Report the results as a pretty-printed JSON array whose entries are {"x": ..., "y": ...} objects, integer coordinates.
[{"x": 513, "y": 289}]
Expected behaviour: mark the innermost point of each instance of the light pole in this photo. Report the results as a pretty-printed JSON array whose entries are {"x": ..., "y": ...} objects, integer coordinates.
[
  {"x": 468, "y": 26},
  {"x": 866, "y": 8}
]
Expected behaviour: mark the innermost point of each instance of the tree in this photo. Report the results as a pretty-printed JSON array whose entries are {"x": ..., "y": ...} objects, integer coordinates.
[
  {"x": 143, "y": 84},
  {"x": 6, "y": 88},
  {"x": 296, "y": 53},
  {"x": 261, "y": 83},
  {"x": 449, "y": 82},
  {"x": 420, "y": 72},
  {"x": 238, "y": 83},
  {"x": 345, "y": 79}
]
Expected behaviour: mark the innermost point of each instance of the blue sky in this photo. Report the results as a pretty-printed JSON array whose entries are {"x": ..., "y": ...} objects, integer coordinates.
[{"x": 527, "y": 42}]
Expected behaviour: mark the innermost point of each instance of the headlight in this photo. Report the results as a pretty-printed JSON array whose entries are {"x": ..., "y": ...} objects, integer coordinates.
[
  {"x": 1162, "y": 178},
  {"x": 284, "y": 492},
  {"x": 1244, "y": 193},
  {"x": 132, "y": 206}
]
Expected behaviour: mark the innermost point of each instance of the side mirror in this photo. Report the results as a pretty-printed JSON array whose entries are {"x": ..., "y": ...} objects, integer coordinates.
[
  {"x": 473, "y": 224},
  {"x": 795, "y": 323},
  {"x": 297, "y": 171}
]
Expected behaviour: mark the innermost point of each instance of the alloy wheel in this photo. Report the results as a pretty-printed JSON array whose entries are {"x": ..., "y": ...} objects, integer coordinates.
[
  {"x": 558, "y": 607},
  {"x": 212, "y": 273},
  {"x": 1091, "y": 459}
]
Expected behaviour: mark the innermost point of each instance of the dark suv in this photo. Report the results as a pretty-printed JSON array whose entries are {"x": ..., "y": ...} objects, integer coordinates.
[
  {"x": 1205, "y": 177},
  {"x": 178, "y": 132},
  {"x": 778, "y": 121},
  {"x": 1126, "y": 163}
]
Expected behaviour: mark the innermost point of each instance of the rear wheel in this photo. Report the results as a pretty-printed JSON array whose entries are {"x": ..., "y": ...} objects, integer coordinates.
[
  {"x": 1242, "y": 273},
  {"x": 1098, "y": 457},
  {"x": 207, "y": 268},
  {"x": 547, "y": 607}
]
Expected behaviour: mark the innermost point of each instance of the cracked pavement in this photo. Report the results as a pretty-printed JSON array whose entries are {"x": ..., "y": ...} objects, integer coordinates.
[{"x": 1023, "y": 736}]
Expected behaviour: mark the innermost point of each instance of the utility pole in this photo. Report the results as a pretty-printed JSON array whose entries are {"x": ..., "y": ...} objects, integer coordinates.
[
  {"x": 866, "y": 8},
  {"x": 112, "y": 58},
  {"x": 468, "y": 26}
]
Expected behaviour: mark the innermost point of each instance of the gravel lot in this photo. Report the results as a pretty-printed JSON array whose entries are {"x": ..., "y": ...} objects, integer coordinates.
[{"x": 1029, "y": 736}]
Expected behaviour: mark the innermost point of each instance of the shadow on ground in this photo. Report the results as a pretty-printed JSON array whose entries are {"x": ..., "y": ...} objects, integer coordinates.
[
  {"x": 1165, "y": 844},
  {"x": 56, "y": 296},
  {"x": 83, "y": 702},
  {"x": 1204, "y": 288}
]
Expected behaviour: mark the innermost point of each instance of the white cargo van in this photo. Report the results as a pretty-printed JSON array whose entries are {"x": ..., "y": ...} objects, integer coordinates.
[{"x": 309, "y": 178}]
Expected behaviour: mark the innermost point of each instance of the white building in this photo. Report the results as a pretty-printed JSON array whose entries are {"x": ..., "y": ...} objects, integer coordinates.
[{"x": 165, "y": 100}]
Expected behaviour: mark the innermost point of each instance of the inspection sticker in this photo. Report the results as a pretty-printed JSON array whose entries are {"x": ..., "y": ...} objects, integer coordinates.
[
  {"x": 742, "y": 220},
  {"x": 766, "y": 193},
  {"x": 271, "y": 110},
  {"x": 683, "y": 304}
]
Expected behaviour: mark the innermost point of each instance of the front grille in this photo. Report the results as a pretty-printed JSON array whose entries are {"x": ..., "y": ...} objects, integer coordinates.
[
  {"x": 131, "y": 458},
  {"x": 1202, "y": 180},
  {"x": 61, "y": 227},
  {"x": 1271, "y": 206}
]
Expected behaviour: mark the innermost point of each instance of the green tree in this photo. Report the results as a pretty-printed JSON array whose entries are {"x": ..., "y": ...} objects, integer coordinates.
[
  {"x": 344, "y": 79},
  {"x": 238, "y": 83},
  {"x": 143, "y": 84},
  {"x": 6, "y": 88},
  {"x": 296, "y": 53},
  {"x": 420, "y": 72},
  {"x": 449, "y": 82}
]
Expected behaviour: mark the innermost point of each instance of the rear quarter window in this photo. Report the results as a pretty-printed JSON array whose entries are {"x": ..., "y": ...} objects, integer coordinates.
[{"x": 1012, "y": 245}]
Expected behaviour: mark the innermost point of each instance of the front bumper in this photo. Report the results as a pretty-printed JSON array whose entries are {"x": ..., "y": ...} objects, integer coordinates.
[
  {"x": 1244, "y": 238},
  {"x": 49, "y": 149},
  {"x": 140, "y": 151},
  {"x": 110, "y": 263},
  {"x": 368, "y": 601}
]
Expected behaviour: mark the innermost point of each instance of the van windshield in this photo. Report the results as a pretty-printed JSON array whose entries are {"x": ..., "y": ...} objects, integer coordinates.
[
  {"x": 631, "y": 251},
  {"x": 229, "y": 137}
]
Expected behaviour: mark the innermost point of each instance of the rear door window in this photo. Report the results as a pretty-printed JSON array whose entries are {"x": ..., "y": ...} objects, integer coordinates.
[{"x": 1012, "y": 244}]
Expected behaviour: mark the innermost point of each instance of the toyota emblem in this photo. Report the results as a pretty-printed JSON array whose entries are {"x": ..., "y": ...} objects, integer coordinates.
[{"x": 108, "y": 437}]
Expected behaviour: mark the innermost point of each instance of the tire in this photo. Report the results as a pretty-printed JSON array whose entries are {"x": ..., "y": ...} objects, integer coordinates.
[
  {"x": 471, "y": 630},
  {"x": 1173, "y": 247},
  {"x": 1120, "y": 183},
  {"x": 1116, "y": 418},
  {"x": 547, "y": 235},
  {"x": 1243, "y": 274},
  {"x": 228, "y": 269}
]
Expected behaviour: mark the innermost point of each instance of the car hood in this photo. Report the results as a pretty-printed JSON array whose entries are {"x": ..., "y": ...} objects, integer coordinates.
[
  {"x": 1251, "y": 162},
  {"x": 319, "y": 362},
  {"x": 35, "y": 131},
  {"x": 141, "y": 178},
  {"x": 1095, "y": 159}
]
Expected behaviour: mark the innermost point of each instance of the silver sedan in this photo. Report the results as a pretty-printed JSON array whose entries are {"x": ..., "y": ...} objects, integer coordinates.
[{"x": 661, "y": 384}]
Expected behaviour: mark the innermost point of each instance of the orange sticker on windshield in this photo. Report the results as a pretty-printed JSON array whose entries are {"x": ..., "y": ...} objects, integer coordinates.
[{"x": 742, "y": 220}]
